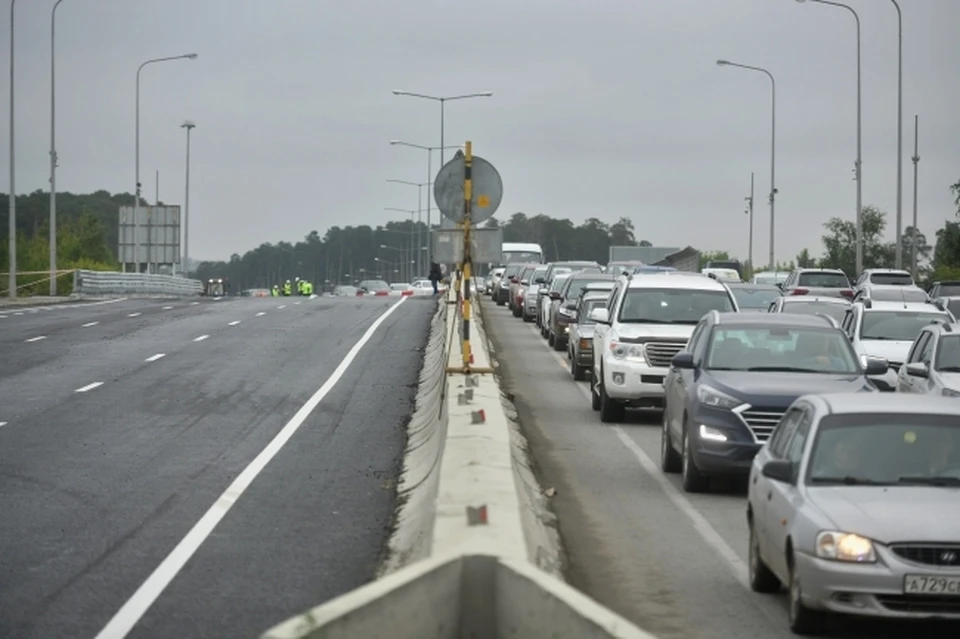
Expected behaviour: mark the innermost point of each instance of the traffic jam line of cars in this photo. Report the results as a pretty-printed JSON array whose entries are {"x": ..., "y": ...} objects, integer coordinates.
[
  {"x": 153, "y": 358},
  {"x": 810, "y": 390}
]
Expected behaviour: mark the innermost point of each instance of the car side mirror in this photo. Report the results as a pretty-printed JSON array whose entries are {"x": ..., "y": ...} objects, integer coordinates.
[
  {"x": 780, "y": 285},
  {"x": 918, "y": 369},
  {"x": 539, "y": 280},
  {"x": 554, "y": 295},
  {"x": 571, "y": 305},
  {"x": 600, "y": 316},
  {"x": 778, "y": 470},
  {"x": 875, "y": 366},
  {"x": 684, "y": 360},
  {"x": 524, "y": 282}
]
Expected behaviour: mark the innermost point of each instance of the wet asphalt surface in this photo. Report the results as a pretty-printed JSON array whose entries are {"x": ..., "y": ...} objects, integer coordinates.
[{"x": 125, "y": 422}]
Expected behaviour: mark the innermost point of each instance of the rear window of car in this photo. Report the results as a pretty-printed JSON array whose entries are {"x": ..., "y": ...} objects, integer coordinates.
[
  {"x": 823, "y": 280},
  {"x": 836, "y": 311},
  {"x": 891, "y": 279}
]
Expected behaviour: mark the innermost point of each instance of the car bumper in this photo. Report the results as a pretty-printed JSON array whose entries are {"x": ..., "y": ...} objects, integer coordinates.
[
  {"x": 634, "y": 384},
  {"x": 583, "y": 356},
  {"x": 873, "y": 590}
]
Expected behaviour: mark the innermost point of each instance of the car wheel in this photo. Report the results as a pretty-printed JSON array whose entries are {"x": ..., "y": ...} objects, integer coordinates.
[
  {"x": 670, "y": 461},
  {"x": 558, "y": 344},
  {"x": 803, "y": 620},
  {"x": 551, "y": 340},
  {"x": 762, "y": 578},
  {"x": 527, "y": 318},
  {"x": 610, "y": 409},
  {"x": 693, "y": 480},
  {"x": 517, "y": 311},
  {"x": 579, "y": 372},
  {"x": 500, "y": 302},
  {"x": 595, "y": 393}
]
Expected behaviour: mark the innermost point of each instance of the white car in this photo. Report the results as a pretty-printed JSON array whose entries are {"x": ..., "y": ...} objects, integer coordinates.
[{"x": 648, "y": 320}]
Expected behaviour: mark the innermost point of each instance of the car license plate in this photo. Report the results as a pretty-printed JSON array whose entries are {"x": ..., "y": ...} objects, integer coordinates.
[{"x": 931, "y": 585}]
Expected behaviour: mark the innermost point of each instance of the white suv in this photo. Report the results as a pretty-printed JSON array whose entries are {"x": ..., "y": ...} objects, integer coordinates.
[{"x": 648, "y": 319}]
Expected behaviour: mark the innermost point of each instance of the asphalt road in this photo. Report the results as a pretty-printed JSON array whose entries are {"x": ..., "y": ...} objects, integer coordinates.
[
  {"x": 123, "y": 427},
  {"x": 673, "y": 563}
]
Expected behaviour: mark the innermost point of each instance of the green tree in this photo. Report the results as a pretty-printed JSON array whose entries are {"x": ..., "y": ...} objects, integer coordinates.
[
  {"x": 839, "y": 243},
  {"x": 804, "y": 259}
]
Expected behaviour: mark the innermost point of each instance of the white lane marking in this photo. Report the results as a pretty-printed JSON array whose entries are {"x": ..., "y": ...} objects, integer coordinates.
[
  {"x": 50, "y": 307},
  {"x": 18, "y": 313},
  {"x": 261, "y": 314},
  {"x": 167, "y": 308},
  {"x": 3, "y": 317},
  {"x": 154, "y": 358},
  {"x": 131, "y": 612},
  {"x": 233, "y": 323},
  {"x": 296, "y": 303},
  {"x": 707, "y": 532},
  {"x": 201, "y": 338},
  {"x": 282, "y": 306},
  {"x": 89, "y": 324},
  {"x": 2, "y": 424},
  {"x": 36, "y": 339},
  {"x": 194, "y": 303},
  {"x": 88, "y": 387},
  {"x": 133, "y": 315}
]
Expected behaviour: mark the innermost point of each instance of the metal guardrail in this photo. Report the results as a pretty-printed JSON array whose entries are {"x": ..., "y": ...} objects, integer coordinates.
[{"x": 114, "y": 283}]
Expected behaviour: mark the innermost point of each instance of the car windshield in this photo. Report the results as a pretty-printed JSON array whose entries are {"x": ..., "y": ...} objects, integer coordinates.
[
  {"x": 769, "y": 278},
  {"x": 576, "y": 285},
  {"x": 816, "y": 279},
  {"x": 948, "y": 290},
  {"x": 755, "y": 296},
  {"x": 783, "y": 349},
  {"x": 903, "y": 448},
  {"x": 897, "y": 325},
  {"x": 671, "y": 306},
  {"x": 898, "y": 295},
  {"x": 948, "y": 354},
  {"x": 558, "y": 283},
  {"x": 519, "y": 256},
  {"x": 587, "y": 307},
  {"x": 538, "y": 274},
  {"x": 836, "y": 311},
  {"x": 374, "y": 285},
  {"x": 892, "y": 279}
]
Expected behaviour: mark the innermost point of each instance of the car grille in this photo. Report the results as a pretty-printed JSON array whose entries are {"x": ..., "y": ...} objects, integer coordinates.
[
  {"x": 762, "y": 421},
  {"x": 659, "y": 354},
  {"x": 930, "y": 554}
]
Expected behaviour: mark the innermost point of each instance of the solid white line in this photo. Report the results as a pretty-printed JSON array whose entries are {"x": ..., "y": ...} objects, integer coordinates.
[
  {"x": 233, "y": 323},
  {"x": 88, "y": 387},
  {"x": 18, "y": 313},
  {"x": 131, "y": 612},
  {"x": 296, "y": 303},
  {"x": 89, "y": 324},
  {"x": 133, "y": 314},
  {"x": 154, "y": 358},
  {"x": 201, "y": 338},
  {"x": 707, "y": 532},
  {"x": 36, "y": 339},
  {"x": 261, "y": 314}
]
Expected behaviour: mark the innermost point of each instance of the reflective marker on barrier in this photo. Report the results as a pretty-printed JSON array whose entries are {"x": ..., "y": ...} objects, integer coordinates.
[
  {"x": 478, "y": 417},
  {"x": 476, "y": 516}
]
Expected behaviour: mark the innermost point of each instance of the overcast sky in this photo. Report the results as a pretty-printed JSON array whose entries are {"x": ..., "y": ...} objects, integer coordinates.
[{"x": 601, "y": 108}]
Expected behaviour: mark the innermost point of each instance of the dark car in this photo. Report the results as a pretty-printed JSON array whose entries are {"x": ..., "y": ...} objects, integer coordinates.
[
  {"x": 729, "y": 388},
  {"x": 563, "y": 304},
  {"x": 754, "y": 298},
  {"x": 580, "y": 351},
  {"x": 502, "y": 293}
]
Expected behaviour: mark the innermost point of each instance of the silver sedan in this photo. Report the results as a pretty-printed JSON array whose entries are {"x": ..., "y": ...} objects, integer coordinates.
[{"x": 853, "y": 506}]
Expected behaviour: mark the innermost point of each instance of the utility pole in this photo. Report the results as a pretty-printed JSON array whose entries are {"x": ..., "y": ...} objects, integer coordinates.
[
  {"x": 916, "y": 161},
  {"x": 749, "y": 212}
]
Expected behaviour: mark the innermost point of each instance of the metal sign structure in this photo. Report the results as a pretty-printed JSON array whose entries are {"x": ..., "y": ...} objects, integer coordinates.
[
  {"x": 486, "y": 245},
  {"x": 487, "y": 189},
  {"x": 159, "y": 228}
]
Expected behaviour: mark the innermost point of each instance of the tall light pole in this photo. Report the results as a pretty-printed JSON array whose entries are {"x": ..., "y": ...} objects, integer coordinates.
[
  {"x": 858, "y": 165},
  {"x": 188, "y": 125},
  {"x": 136, "y": 200},
  {"x": 443, "y": 100},
  {"x": 407, "y": 261},
  {"x": 420, "y": 245},
  {"x": 429, "y": 150},
  {"x": 12, "y": 201},
  {"x": 916, "y": 161},
  {"x": 53, "y": 152},
  {"x": 750, "y": 213},
  {"x": 900, "y": 142},
  {"x": 773, "y": 148}
]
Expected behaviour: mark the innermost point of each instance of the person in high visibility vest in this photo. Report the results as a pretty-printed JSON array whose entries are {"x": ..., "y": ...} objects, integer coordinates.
[
  {"x": 275, "y": 291},
  {"x": 286, "y": 288},
  {"x": 309, "y": 286}
]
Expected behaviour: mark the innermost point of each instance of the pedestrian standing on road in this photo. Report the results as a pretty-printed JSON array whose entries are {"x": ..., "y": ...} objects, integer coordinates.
[{"x": 435, "y": 276}]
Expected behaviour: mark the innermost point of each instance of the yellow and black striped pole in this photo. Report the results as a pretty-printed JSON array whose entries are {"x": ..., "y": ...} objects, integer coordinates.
[{"x": 465, "y": 269}]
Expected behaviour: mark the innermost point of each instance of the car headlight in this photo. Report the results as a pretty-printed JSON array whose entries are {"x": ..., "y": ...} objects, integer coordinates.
[
  {"x": 566, "y": 312},
  {"x": 628, "y": 352},
  {"x": 841, "y": 546},
  {"x": 712, "y": 434},
  {"x": 949, "y": 392},
  {"x": 712, "y": 397}
]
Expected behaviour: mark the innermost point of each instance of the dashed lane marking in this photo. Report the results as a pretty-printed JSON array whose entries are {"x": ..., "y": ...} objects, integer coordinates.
[
  {"x": 233, "y": 323},
  {"x": 154, "y": 358},
  {"x": 167, "y": 308},
  {"x": 89, "y": 324},
  {"x": 282, "y": 306},
  {"x": 201, "y": 338},
  {"x": 134, "y": 315},
  {"x": 36, "y": 339},
  {"x": 88, "y": 387},
  {"x": 2, "y": 424},
  {"x": 261, "y": 314},
  {"x": 194, "y": 303}
]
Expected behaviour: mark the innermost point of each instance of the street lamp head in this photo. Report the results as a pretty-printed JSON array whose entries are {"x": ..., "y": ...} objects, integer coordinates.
[
  {"x": 191, "y": 56},
  {"x": 722, "y": 63},
  {"x": 487, "y": 94},
  {"x": 187, "y": 124},
  {"x": 394, "y": 141},
  {"x": 399, "y": 92}
]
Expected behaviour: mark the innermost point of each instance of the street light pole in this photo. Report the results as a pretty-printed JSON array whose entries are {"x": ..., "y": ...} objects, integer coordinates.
[
  {"x": 773, "y": 149},
  {"x": 136, "y": 200},
  {"x": 53, "y": 152},
  {"x": 443, "y": 100},
  {"x": 407, "y": 261},
  {"x": 858, "y": 165},
  {"x": 900, "y": 142},
  {"x": 916, "y": 161},
  {"x": 188, "y": 125},
  {"x": 750, "y": 213},
  {"x": 420, "y": 247},
  {"x": 12, "y": 200}
]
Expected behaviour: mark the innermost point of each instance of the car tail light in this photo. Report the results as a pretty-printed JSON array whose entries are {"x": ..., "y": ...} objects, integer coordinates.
[
  {"x": 519, "y": 297},
  {"x": 359, "y": 293},
  {"x": 799, "y": 291},
  {"x": 382, "y": 293},
  {"x": 406, "y": 293},
  {"x": 846, "y": 293}
]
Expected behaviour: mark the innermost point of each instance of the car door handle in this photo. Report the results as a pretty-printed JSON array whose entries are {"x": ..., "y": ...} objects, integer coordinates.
[{"x": 769, "y": 495}]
